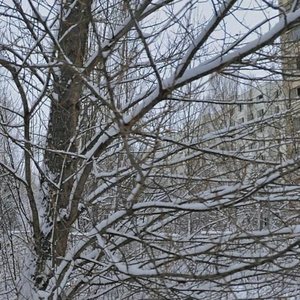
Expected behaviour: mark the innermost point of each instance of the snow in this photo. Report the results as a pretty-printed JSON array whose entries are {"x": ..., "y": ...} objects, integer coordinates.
[
  {"x": 205, "y": 32},
  {"x": 223, "y": 60},
  {"x": 107, "y": 253},
  {"x": 70, "y": 8},
  {"x": 68, "y": 31}
]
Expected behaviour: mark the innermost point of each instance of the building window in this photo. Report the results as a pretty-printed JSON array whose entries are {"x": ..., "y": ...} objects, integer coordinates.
[
  {"x": 240, "y": 107},
  {"x": 296, "y": 123},
  {"x": 294, "y": 93},
  {"x": 277, "y": 93},
  {"x": 277, "y": 110},
  {"x": 252, "y": 146},
  {"x": 298, "y": 63},
  {"x": 241, "y": 120},
  {"x": 250, "y": 116},
  {"x": 260, "y": 113}
]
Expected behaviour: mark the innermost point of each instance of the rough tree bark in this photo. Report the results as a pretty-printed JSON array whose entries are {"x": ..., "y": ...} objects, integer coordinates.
[
  {"x": 135, "y": 241},
  {"x": 61, "y": 139}
]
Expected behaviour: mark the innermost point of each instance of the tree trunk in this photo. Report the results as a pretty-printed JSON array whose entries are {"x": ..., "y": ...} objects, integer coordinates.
[{"x": 61, "y": 138}]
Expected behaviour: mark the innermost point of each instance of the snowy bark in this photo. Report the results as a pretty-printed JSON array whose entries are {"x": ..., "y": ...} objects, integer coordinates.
[{"x": 139, "y": 179}]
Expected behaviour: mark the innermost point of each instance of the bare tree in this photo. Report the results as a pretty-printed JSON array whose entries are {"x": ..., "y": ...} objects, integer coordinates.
[{"x": 137, "y": 180}]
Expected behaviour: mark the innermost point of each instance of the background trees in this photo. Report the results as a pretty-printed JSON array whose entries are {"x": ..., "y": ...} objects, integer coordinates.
[{"x": 135, "y": 176}]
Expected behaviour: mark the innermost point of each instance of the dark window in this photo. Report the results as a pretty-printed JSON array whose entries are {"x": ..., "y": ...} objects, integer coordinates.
[
  {"x": 260, "y": 113},
  {"x": 296, "y": 124},
  {"x": 240, "y": 107},
  {"x": 250, "y": 116},
  {"x": 295, "y": 92},
  {"x": 277, "y": 109},
  {"x": 277, "y": 93},
  {"x": 298, "y": 63},
  {"x": 241, "y": 120},
  {"x": 260, "y": 97}
]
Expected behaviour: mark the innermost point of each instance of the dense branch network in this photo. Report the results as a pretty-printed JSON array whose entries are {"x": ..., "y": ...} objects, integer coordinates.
[{"x": 133, "y": 170}]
